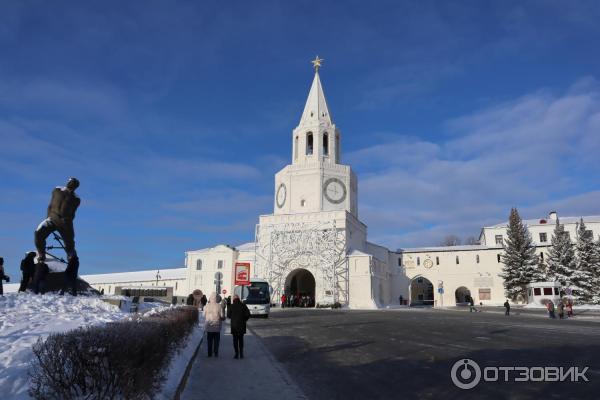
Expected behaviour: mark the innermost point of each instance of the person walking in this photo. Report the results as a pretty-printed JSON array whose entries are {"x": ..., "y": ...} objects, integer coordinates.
[
  {"x": 283, "y": 300},
  {"x": 507, "y": 306},
  {"x": 3, "y": 277},
  {"x": 569, "y": 309},
  {"x": 472, "y": 305},
  {"x": 224, "y": 306},
  {"x": 213, "y": 317},
  {"x": 401, "y": 300},
  {"x": 239, "y": 315},
  {"x": 550, "y": 307},
  {"x": 561, "y": 310},
  {"x": 229, "y": 307},
  {"x": 61, "y": 213},
  {"x": 27, "y": 270}
]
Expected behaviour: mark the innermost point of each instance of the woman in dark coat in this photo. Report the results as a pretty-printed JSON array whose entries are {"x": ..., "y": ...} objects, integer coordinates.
[{"x": 239, "y": 316}]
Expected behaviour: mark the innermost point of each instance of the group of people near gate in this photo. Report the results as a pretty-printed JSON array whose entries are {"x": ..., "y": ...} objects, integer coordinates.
[
  {"x": 60, "y": 215},
  {"x": 297, "y": 300}
]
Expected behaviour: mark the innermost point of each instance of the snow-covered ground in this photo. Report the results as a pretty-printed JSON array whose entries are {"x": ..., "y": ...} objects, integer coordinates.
[
  {"x": 25, "y": 317},
  {"x": 575, "y": 306}
]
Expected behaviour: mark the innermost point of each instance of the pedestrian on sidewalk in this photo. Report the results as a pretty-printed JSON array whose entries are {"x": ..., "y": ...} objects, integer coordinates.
[
  {"x": 213, "y": 317},
  {"x": 27, "y": 269},
  {"x": 203, "y": 301},
  {"x": 283, "y": 300},
  {"x": 472, "y": 305},
  {"x": 550, "y": 308},
  {"x": 569, "y": 309},
  {"x": 561, "y": 310},
  {"x": 507, "y": 306},
  {"x": 239, "y": 315}
]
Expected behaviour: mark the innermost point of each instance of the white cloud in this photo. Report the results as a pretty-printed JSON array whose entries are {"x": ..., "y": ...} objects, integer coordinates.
[{"x": 537, "y": 152}]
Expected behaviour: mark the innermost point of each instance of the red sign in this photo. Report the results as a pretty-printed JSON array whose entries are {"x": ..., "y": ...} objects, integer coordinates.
[{"x": 242, "y": 274}]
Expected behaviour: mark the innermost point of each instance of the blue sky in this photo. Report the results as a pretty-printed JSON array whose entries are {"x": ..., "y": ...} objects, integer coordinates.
[{"x": 176, "y": 115}]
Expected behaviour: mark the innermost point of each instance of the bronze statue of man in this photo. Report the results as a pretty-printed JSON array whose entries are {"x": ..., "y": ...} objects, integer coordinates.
[{"x": 61, "y": 213}]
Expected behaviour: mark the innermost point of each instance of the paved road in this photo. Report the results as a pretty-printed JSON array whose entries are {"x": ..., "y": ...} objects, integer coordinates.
[{"x": 409, "y": 353}]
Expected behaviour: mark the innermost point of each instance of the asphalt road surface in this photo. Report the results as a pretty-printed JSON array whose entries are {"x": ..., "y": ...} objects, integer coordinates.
[{"x": 404, "y": 354}]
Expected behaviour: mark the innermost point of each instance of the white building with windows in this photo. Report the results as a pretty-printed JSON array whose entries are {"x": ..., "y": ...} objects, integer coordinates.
[{"x": 314, "y": 244}]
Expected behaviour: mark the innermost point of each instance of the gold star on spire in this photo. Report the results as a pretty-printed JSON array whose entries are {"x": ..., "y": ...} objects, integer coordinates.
[{"x": 317, "y": 63}]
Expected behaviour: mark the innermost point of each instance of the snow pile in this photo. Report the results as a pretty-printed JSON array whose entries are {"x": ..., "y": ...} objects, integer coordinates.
[{"x": 24, "y": 318}]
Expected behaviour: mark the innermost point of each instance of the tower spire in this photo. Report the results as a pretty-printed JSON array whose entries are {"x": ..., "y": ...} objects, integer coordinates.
[{"x": 315, "y": 110}]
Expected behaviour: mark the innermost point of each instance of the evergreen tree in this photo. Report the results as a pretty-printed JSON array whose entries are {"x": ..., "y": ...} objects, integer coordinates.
[
  {"x": 519, "y": 257},
  {"x": 561, "y": 256},
  {"x": 596, "y": 274},
  {"x": 585, "y": 266}
]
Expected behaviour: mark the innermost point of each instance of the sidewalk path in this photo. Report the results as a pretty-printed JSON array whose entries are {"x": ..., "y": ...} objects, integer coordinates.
[{"x": 257, "y": 376}]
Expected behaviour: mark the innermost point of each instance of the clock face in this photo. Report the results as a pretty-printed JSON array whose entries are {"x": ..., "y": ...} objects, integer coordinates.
[
  {"x": 281, "y": 194},
  {"x": 334, "y": 190},
  {"x": 428, "y": 263}
]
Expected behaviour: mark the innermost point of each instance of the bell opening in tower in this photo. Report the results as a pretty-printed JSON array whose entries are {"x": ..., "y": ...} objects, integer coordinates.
[
  {"x": 309, "y": 144},
  {"x": 325, "y": 144}
]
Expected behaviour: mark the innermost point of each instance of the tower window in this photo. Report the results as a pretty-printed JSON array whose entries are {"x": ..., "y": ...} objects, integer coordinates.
[
  {"x": 309, "y": 144},
  {"x": 541, "y": 255},
  {"x": 477, "y": 258},
  {"x": 325, "y": 144},
  {"x": 198, "y": 265},
  {"x": 337, "y": 148},
  {"x": 220, "y": 264},
  {"x": 498, "y": 257},
  {"x": 457, "y": 260},
  {"x": 437, "y": 260},
  {"x": 418, "y": 260},
  {"x": 302, "y": 202}
]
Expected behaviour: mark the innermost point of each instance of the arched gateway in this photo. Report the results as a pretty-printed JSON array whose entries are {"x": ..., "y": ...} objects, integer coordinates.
[
  {"x": 421, "y": 292},
  {"x": 300, "y": 286}
]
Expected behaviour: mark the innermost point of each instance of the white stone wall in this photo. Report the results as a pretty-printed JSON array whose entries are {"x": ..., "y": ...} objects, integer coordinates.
[{"x": 467, "y": 273}]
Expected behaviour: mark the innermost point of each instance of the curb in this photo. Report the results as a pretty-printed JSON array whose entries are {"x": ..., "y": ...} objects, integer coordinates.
[{"x": 186, "y": 374}]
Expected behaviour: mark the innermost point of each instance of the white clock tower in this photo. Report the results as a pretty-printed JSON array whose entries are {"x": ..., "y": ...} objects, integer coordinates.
[
  {"x": 315, "y": 181},
  {"x": 304, "y": 247}
]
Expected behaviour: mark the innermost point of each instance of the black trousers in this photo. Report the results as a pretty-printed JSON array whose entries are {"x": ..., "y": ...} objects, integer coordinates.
[
  {"x": 213, "y": 339},
  {"x": 238, "y": 343},
  {"x": 47, "y": 227}
]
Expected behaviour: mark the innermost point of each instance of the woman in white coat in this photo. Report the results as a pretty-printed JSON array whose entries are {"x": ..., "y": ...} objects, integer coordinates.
[{"x": 213, "y": 316}]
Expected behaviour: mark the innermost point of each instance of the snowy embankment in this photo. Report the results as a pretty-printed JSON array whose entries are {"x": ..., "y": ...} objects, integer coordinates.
[{"x": 24, "y": 318}]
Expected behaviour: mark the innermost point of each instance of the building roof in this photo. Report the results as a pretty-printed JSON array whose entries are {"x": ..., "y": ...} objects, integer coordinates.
[
  {"x": 136, "y": 276},
  {"x": 315, "y": 110},
  {"x": 562, "y": 220},
  {"x": 250, "y": 246},
  {"x": 468, "y": 247}
]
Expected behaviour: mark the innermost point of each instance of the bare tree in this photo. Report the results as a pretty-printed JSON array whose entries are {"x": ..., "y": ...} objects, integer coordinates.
[
  {"x": 451, "y": 240},
  {"x": 471, "y": 240}
]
